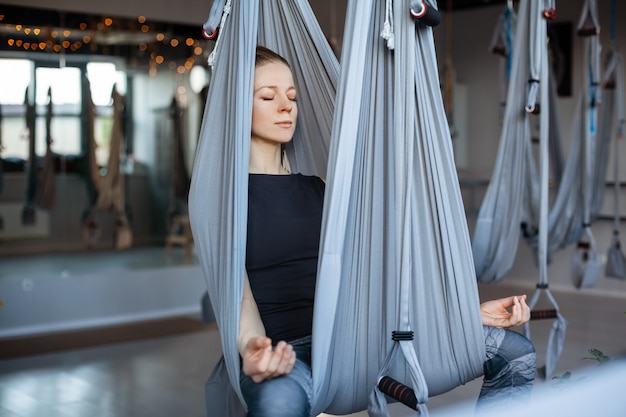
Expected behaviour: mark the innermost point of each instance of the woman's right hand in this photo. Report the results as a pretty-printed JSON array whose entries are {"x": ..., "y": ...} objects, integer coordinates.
[{"x": 262, "y": 362}]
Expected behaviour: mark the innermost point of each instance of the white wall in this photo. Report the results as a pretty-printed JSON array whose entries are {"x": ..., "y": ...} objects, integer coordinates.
[{"x": 69, "y": 292}]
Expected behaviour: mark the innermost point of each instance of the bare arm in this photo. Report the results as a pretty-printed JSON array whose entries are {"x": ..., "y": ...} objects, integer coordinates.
[
  {"x": 260, "y": 360},
  {"x": 250, "y": 324}
]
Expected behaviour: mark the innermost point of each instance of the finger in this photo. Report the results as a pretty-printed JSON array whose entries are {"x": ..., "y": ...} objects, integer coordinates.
[
  {"x": 525, "y": 310},
  {"x": 516, "y": 312},
  {"x": 287, "y": 361},
  {"x": 275, "y": 358}
]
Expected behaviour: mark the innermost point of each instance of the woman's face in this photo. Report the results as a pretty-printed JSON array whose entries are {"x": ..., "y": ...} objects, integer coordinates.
[{"x": 274, "y": 109}]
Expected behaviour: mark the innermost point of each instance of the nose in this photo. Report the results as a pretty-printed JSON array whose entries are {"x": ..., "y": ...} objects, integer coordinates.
[{"x": 285, "y": 104}]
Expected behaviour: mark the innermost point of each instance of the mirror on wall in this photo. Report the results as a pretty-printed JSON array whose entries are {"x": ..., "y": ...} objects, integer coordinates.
[{"x": 86, "y": 111}]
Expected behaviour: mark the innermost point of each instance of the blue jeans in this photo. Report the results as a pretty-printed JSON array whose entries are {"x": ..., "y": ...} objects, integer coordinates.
[
  {"x": 510, "y": 368},
  {"x": 509, "y": 375}
]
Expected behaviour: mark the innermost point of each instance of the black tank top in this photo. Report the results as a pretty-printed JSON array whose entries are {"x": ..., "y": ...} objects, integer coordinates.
[{"x": 284, "y": 224}]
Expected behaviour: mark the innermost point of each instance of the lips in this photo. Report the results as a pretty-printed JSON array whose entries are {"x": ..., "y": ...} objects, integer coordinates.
[{"x": 286, "y": 123}]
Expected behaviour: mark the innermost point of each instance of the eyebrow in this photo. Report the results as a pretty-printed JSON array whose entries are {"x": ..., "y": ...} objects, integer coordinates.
[{"x": 274, "y": 87}]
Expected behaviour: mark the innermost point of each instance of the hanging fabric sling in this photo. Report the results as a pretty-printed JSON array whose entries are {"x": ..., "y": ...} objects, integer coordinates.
[
  {"x": 1, "y": 168},
  {"x": 506, "y": 203},
  {"x": 47, "y": 193},
  {"x": 28, "y": 212},
  {"x": 395, "y": 258},
  {"x": 179, "y": 190},
  {"x": 614, "y": 92},
  {"x": 111, "y": 195},
  {"x": 502, "y": 45},
  {"x": 572, "y": 203},
  {"x": 586, "y": 263},
  {"x": 539, "y": 95},
  {"x": 91, "y": 230}
]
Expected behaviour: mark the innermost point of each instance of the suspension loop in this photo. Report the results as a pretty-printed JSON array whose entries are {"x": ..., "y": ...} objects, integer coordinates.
[
  {"x": 549, "y": 13},
  {"x": 424, "y": 13},
  {"x": 534, "y": 109},
  {"x": 210, "y": 35},
  {"x": 210, "y": 27}
]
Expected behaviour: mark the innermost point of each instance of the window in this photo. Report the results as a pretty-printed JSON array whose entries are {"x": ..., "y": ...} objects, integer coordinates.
[
  {"x": 15, "y": 76},
  {"x": 64, "y": 86},
  {"x": 65, "y": 90},
  {"x": 103, "y": 77}
]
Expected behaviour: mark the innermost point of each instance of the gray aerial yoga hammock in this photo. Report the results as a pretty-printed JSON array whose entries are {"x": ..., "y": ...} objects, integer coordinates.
[
  {"x": 614, "y": 97},
  {"x": 47, "y": 191},
  {"x": 395, "y": 253},
  {"x": 515, "y": 195},
  {"x": 571, "y": 215},
  {"x": 111, "y": 194},
  {"x": 32, "y": 183},
  {"x": 1, "y": 169},
  {"x": 508, "y": 200},
  {"x": 502, "y": 45}
]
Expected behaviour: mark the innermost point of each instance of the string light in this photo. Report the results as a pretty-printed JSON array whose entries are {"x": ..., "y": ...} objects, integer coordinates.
[{"x": 69, "y": 35}]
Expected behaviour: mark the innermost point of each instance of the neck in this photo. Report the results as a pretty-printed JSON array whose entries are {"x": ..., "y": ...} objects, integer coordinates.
[{"x": 266, "y": 160}]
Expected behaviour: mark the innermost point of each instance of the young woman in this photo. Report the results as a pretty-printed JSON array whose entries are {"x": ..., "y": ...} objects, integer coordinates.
[{"x": 284, "y": 224}]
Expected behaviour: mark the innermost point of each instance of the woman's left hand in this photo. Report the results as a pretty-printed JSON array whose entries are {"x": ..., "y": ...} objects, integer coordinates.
[{"x": 496, "y": 313}]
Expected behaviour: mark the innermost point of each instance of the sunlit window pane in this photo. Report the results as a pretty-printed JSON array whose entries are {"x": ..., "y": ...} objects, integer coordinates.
[
  {"x": 15, "y": 75},
  {"x": 65, "y": 134},
  {"x": 102, "y": 77},
  {"x": 65, "y": 83},
  {"x": 14, "y": 138}
]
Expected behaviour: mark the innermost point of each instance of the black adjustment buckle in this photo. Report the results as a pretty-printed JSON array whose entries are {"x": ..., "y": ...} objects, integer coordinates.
[
  {"x": 542, "y": 286},
  {"x": 398, "y": 335}
]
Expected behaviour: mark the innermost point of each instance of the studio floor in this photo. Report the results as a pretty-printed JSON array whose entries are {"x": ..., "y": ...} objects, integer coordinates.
[{"x": 165, "y": 376}]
